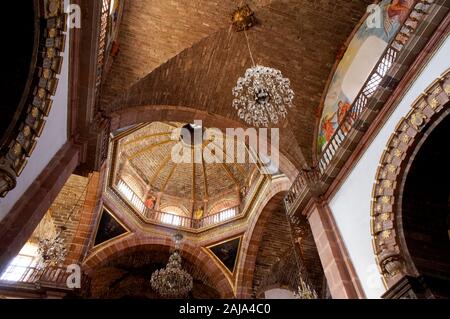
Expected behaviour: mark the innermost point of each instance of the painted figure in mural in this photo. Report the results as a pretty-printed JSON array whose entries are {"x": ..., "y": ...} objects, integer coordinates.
[
  {"x": 150, "y": 202},
  {"x": 343, "y": 108},
  {"x": 328, "y": 126},
  {"x": 243, "y": 192},
  {"x": 399, "y": 9},
  {"x": 397, "y": 12}
]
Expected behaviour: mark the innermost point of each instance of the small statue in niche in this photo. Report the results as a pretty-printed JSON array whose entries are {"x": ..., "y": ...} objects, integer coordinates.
[
  {"x": 243, "y": 192},
  {"x": 198, "y": 214}
]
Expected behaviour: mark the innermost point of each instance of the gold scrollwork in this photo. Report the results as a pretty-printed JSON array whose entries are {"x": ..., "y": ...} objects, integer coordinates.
[{"x": 387, "y": 247}]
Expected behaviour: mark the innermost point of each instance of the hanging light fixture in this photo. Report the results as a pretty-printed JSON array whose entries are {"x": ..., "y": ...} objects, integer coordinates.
[
  {"x": 263, "y": 95},
  {"x": 172, "y": 281},
  {"x": 52, "y": 250},
  {"x": 305, "y": 291}
]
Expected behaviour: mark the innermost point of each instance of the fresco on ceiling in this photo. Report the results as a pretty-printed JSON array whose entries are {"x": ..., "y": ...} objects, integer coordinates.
[
  {"x": 361, "y": 56},
  {"x": 227, "y": 253},
  {"x": 108, "y": 228}
]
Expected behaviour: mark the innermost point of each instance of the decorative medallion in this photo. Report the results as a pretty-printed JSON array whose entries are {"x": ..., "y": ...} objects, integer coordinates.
[{"x": 243, "y": 18}]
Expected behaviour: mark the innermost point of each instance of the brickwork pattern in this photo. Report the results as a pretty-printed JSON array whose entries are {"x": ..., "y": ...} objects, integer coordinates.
[{"x": 297, "y": 37}]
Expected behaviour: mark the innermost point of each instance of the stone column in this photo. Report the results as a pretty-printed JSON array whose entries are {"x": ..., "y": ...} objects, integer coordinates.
[{"x": 336, "y": 265}]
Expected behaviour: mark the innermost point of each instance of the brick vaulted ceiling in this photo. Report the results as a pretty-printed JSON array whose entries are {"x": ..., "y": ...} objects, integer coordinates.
[{"x": 184, "y": 53}]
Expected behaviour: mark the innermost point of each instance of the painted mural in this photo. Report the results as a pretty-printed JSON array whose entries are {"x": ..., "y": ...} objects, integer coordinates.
[
  {"x": 227, "y": 253},
  {"x": 108, "y": 228},
  {"x": 361, "y": 56}
]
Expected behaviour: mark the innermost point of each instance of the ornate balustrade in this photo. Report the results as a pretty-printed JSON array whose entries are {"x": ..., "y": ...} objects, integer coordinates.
[
  {"x": 191, "y": 223},
  {"x": 50, "y": 277},
  {"x": 306, "y": 180},
  {"x": 124, "y": 193}
]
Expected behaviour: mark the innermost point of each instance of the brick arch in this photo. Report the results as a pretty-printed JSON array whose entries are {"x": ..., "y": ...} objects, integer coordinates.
[
  {"x": 253, "y": 236},
  {"x": 160, "y": 113},
  {"x": 203, "y": 75},
  {"x": 193, "y": 254},
  {"x": 389, "y": 245}
]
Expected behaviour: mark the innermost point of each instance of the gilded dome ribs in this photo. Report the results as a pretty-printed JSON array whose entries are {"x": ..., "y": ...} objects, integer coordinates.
[
  {"x": 147, "y": 149},
  {"x": 145, "y": 137},
  {"x": 147, "y": 161},
  {"x": 205, "y": 179},
  {"x": 160, "y": 168}
]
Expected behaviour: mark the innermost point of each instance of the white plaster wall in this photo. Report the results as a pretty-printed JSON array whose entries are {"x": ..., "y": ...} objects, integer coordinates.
[
  {"x": 351, "y": 204},
  {"x": 52, "y": 139}
]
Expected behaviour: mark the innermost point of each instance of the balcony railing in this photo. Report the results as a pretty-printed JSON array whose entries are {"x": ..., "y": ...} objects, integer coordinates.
[
  {"x": 188, "y": 222},
  {"x": 50, "y": 277},
  {"x": 304, "y": 180},
  {"x": 362, "y": 100},
  {"x": 185, "y": 222},
  {"x": 172, "y": 219}
]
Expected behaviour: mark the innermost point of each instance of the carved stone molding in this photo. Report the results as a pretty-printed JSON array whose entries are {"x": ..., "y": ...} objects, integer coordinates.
[
  {"x": 22, "y": 142},
  {"x": 385, "y": 194}
]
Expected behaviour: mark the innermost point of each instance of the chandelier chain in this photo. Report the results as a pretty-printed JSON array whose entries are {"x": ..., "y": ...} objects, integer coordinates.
[{"x": 249, "y": 49}]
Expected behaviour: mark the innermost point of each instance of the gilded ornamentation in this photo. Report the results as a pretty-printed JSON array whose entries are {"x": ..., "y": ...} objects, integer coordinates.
[
  {"x": 391, "y": 266},
  {"x": 243, "y": 18},
  {"x": 52, "y": 32},
  {"x": 26, "y": 131},
  {"x": 387, "y": 183},
  {"x": 53, "y": 7},
  {"x": 17, "y": 149},
  {"x": 385, "y": 199},
  {"x": 397, "y": 152},
  {"x": 46, "y": 73},
  {"x": 405, "y": 139},
  {"x": 34, "y": 112},
  {"x": 434, "y": 103},
  {"x": 387, "y": 248},
  {"x": 51, "y": 53},
  {"x": 391, "y": 168},
  {"x": 23, "y": 140},
  {"x": 386, "y": 234},
  {"x": 417, "y": 119},
  {"x": 447, "y": 89},
  {"x": 42, "y": 93}
]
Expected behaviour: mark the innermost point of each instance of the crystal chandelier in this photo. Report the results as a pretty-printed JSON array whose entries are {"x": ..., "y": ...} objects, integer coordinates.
[
  {"x": 52, "y": 251},
  {"x": 262, "y": 96},
  {"x": 305, "y": 291},
  {"x": 172, "y": 281}
]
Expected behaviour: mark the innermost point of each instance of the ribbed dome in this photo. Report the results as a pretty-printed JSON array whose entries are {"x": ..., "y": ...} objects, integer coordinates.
[{"x": 185, "y": 172}]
